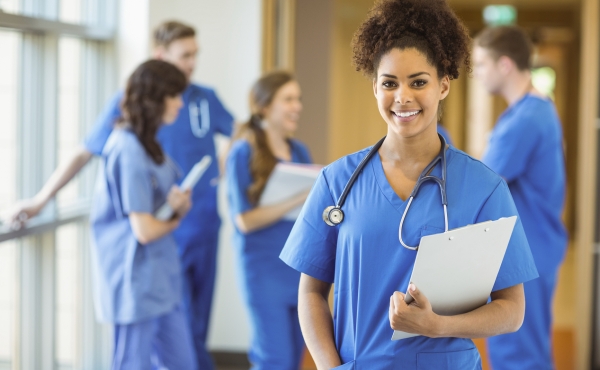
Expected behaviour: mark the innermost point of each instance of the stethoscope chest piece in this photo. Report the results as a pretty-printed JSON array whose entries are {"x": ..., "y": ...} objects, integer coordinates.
[{"x": 333, "y": 215}]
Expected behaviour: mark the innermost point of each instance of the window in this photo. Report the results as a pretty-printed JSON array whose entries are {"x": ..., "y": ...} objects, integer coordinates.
[
  {"x": 9, "y": 72},
  {"x": 8, "y": 274},
  {"x": 67, "y": 283},
  {"x": 70, "y": 11},
  {"x": 9, "y": 6},
  {"x": 55, "y": 76},
  {"x": 69, "y": 104}
]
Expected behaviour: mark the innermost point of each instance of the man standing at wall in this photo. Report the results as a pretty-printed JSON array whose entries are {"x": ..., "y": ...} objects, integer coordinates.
[
  {"x": 525, "y": 148},
  {"x": 186, "y": 141}
]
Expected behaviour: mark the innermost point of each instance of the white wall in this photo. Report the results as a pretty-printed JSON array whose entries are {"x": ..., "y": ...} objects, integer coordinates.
[
  {"x": 133, "y": 41},
  {"x": 230, "y": 61}
]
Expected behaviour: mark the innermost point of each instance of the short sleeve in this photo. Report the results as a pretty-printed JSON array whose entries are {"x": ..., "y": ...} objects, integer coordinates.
[
  {"x": 302, "y": 153},
  {"x": 222, "y": 117},
  {"x": 237, "y": 170},
  {"x": 96, "y": 139},
  {"x": 518, "y": 265},
  {"x": 511, "y": 145},
  {"x": 312, "y": 244},
  {"x": 130, "y": 179}
]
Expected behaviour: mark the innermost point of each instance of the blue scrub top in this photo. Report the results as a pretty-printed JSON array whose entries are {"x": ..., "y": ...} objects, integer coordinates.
[
  {"x": 442, "y": 131},
  {"x": 262, "y": 270},
  {"x": 133, "y": 282},
  {"x": 366, "y": 262},
  {"x": 525, "y": 148},
  {"x": 186, "y": 141}
]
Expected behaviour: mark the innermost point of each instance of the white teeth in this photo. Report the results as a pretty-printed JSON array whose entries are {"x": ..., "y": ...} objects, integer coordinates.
[{"x": 406, "y": 114}]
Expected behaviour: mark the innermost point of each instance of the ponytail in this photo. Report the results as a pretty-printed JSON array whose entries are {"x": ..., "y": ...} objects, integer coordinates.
[{"x": 263, "y": 160}]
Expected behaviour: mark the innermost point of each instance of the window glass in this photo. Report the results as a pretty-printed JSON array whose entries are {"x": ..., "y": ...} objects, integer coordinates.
[
  {"x": 9, "y": 72},
  {"x": 8, "y": 273},
  {"x": 9, "y": 6},
  {"x": 70, "y": 11},
  {"x": 68, "y": 283},
  {"x": 69, "y": 104}
]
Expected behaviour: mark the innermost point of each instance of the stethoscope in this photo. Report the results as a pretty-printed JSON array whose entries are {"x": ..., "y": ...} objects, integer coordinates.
[
  {"x": 199, "y": 114},
  {"x": 333, "y": 215}
]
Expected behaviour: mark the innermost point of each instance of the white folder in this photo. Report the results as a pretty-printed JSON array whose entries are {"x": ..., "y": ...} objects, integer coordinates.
[
  {"x": 286, "y": 181},
  {"x": 456, "y": 270},
  {"x": 165, "y": 212}
]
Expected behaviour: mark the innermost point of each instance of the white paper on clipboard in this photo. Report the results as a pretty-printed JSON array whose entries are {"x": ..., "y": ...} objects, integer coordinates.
[
  {"x": 165, "y": 212},
  {"x": 456, "y": 270},
  {"x": 287, "y": 180}
]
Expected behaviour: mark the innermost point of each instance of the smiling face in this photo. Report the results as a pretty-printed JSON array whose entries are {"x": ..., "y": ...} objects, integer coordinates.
[
  {"x": 408, "y": 92},
  {"x": 284, "y": 111}
]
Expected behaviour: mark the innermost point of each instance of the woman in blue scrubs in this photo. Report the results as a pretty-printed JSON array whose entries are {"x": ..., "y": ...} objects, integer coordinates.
[
  {"x": 270, "y": 287},
  {"x": 137, "y": 272},
  {"x": 411, "y": 49}
]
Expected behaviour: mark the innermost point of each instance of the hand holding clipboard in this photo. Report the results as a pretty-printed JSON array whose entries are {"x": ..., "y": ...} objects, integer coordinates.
[{"x": 165, "y": 212}]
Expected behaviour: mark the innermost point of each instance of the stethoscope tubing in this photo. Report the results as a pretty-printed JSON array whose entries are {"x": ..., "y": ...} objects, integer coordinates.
[
  {"x": 199, "y": 112},
  {"x": 441, "y": 157}
]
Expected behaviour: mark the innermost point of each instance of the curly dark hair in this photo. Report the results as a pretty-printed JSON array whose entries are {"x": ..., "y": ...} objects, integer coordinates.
[
  {"x": 144, "y": 102},
  {"x": 429, "y": 26}
]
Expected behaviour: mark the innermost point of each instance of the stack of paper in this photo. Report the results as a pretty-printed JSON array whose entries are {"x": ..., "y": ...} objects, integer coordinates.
[{"x": 286, "y": 181}]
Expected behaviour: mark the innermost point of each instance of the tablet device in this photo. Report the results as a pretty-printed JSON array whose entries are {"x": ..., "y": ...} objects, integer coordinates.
[
  {"x": 456, "y": 270},
  {"x": 165, "y": 212}
]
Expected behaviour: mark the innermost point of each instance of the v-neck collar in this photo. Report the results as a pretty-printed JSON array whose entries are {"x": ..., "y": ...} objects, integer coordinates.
[
  {"x": 384, "y": 184},
  {"x": 386, "y": 188}
]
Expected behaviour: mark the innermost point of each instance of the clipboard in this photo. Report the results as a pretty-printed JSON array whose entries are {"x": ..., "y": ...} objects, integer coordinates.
[
  {"x": 456, "y": 270},
  {"x": 165, "y": 212},
  {"x": 287, "y": 180}
]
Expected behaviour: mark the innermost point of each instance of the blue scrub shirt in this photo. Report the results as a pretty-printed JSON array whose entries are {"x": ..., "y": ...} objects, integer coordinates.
[
  {"x": 442, "y": 131},
  {"x": 180, "y": 142},
  {"x": 366, "y": 262},
  {"x": 525, "y": 148},
  {"x": 263, "y": 273},
  {"x": 133, "y": 282}
]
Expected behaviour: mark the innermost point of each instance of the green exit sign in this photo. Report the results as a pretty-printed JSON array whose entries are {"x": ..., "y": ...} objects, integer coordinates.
[{"x": 495, "y": 15}]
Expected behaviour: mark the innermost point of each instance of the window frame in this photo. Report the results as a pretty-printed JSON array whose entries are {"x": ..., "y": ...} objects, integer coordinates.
[{"x": 37, "y": 131}]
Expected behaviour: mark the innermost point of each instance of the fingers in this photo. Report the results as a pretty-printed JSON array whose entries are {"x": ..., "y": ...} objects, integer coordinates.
[
  {"x": 418, "y": 296},
  {"x": 18, "y": 219},
  {"x": 398, "y": 298}
]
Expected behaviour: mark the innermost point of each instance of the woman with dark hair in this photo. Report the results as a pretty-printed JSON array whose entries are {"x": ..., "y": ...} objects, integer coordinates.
[
  {"x": 270, "y": 288},
  {"x": 411, "y": 49},
  {"x": 136, "y": 266}
]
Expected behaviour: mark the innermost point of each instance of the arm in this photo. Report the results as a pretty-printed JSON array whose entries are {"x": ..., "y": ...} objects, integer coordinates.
[
  {"x": 260, "y": 217},
  {"x": 147, "y": 228},
  {"x": 504, "y": 314},
  {"x": 316, "y": 321},
  {"x": 223, "y": 146},
  {"x": 62, "y": 175}
]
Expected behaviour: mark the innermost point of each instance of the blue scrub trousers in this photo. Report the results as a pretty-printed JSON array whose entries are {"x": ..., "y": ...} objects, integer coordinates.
[
  {"x": 159, "y": 343},
  {"x": 199, "y": 266},
  {"x": 277, "y": 342},
  {"x": 531, "y": 346}
]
